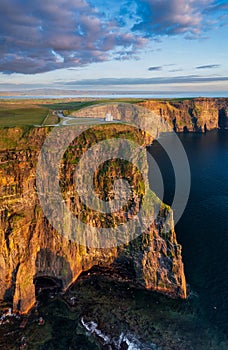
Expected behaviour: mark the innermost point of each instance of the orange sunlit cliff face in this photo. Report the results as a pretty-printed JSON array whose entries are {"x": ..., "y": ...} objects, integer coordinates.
[{"x": 31, "y": 249}]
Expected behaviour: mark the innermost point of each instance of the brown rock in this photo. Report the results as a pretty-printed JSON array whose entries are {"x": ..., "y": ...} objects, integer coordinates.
[{"x": 31, "y": 249}]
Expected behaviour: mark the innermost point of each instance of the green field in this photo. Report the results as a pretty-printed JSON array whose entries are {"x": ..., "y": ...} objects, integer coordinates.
[
  {"x": 22, "y": 116},
  {"x": 31, "y": 112},
  {"x": 77, "y": 105},
  {"x": 51, "y": 119},
  {"x": 39, "y": 112}
]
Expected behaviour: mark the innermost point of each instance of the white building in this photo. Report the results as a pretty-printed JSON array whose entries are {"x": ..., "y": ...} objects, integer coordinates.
[{"x": 109, "y": 117}]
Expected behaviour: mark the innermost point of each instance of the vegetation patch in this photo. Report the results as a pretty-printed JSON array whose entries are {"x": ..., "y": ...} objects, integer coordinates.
[
  {"x": 68, "y": 107},
  {"x": 22, "y": 116}
]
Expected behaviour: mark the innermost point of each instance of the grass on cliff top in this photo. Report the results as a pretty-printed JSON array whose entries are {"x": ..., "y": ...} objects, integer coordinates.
[
  {"x": 16, "y": 112},
  {"x": 22, "y": 116},
  {"x": 77, "y": 105},
  {"x": 31, "y": 112}
]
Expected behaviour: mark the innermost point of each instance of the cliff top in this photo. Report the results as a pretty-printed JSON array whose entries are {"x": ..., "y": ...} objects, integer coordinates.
[{"x": 29, "y": 112}]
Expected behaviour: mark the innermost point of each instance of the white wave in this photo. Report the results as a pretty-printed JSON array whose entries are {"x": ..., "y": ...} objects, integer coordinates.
[{"x": 129, "y": 339}]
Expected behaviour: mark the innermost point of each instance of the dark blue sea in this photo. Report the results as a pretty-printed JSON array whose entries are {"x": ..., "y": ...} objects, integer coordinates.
[{"x": 203, "y": 228}]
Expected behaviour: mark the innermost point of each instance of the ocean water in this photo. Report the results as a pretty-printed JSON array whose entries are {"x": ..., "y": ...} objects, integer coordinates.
[
  {"x": 117, "y": 94},
  {"x": 203, "y": 228}
]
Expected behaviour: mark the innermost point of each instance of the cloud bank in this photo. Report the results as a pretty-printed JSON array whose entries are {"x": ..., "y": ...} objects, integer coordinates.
[
  {"x": 189, "y": 17},
  {"x": 39, "y": 36},
  {"x": 155, "y": 68},
  {"x": 147, "y": 81},
  {"x": 208, "y": 66}
]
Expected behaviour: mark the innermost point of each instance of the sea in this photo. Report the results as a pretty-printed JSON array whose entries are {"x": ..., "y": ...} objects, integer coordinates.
[
  {"x": 113, "y": 94},
  {"x": 203, "y": 227}
]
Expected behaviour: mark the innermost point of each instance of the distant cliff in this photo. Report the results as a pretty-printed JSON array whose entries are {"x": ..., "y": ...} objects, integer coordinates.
[
  {"x": 193, "y": 115},
  {"x": 31, "y": 249}
]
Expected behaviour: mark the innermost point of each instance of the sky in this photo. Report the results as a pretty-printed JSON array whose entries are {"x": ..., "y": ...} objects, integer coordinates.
[{"x": 108, "y": 45}]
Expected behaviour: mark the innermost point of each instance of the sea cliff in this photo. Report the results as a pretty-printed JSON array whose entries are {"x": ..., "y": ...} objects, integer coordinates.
[
  {"x": 193, "y": 115},
  {"x": 184, "y": 115},
  {"x": 32, "y": 250}
]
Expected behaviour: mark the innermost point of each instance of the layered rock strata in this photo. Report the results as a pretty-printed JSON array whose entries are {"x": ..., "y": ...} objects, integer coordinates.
[
  {"x": 186, "y": 115},
  {"x": 31, "y": 249}
]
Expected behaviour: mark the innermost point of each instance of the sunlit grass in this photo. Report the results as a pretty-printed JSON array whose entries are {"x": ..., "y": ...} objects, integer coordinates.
[{"x": 22, "y": 116}]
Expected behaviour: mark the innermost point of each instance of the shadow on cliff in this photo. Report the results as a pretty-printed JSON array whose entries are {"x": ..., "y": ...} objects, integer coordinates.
[
  {"x": 53, "y": 273},
  {"x": 223, "y": 119},
  {"x": 9, "y": 293},
  {"x": 121, "y": 268}
]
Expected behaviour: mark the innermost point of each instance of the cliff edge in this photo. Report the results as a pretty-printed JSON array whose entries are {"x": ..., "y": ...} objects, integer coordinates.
[
  {"x": 182, "y": 115},
  {"x": 193, "y": 115},
  {"x": 32, "y": 251}
]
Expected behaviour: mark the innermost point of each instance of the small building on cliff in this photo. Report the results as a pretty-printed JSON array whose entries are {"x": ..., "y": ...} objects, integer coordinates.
[{"x": 108, "y": 117}]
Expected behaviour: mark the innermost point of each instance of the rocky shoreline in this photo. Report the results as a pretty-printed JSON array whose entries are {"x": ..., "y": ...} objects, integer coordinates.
[{"x": 100, "y": 312}]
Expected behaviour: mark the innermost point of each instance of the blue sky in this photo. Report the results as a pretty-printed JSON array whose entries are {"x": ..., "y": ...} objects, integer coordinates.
[{"x": 147, "y": 45}]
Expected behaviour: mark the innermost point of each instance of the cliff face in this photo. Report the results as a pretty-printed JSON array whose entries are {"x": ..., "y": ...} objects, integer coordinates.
[
  {"x": 195, "y": 115},
  {"x": 139, "y": 115},
  {"x": 31, "y": 249}
]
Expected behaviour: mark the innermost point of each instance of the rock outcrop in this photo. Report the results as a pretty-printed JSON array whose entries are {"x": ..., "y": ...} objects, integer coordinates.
[{"x": 31, "y": 249}]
